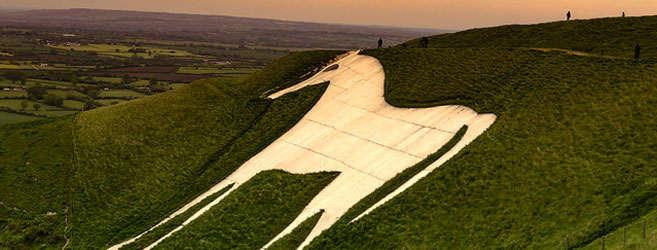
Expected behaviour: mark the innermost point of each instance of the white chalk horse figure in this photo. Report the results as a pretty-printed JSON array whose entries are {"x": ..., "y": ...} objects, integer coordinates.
[{"x": 352, "y": 130}]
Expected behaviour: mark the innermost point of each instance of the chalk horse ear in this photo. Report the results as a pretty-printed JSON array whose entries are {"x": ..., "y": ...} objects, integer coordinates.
[{"x": 331, "y": 68}]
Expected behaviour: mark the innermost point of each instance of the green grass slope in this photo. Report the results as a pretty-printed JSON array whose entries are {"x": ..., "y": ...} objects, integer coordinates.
[
  {"x": 34, "y": 179},
  {"x": 9, "y": 118},
  {"x": 137, "y": 162},
  {"x": 608, "y": 36},
  {"x": 159, "y": 232},
  {"x": 252, "y": 215},
  {"x": 570, "y": 155},
  {"x": 572, "y": 152},
  {"x": 298, "y": 235},
  {"x": 633, "y": 238},
  {"x": 108, "y": 174}
]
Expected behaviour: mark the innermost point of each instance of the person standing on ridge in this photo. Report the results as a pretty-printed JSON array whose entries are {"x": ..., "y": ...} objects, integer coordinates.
[
  {"x": 424, "y": 42},
  {"x": 623, "y": 13},
  {"x": 637, "y": 52},
  {"x": 380, "y": 42},
  {"x": 568, "y": 15}
]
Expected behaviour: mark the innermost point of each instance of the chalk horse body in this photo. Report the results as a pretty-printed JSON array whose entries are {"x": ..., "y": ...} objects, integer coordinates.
[{"x": 352, "y": 130}]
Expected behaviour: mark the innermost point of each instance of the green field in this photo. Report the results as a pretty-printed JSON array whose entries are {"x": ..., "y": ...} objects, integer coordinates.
[
  {"x": 107, "y": 79},
  {"x": 29, "y": 66},
  {"x": 8, "y": 118},
  {"x": 11, "y": 66},
  {"x": 65, "y": 93},
  {"x": 214, "y": 71},
  {"x": 142, "y": 83},
  {"x": 177, "y": 85},
  {"x": 12, "y": 94},
  {"x": 57, "y": 112},
  {"x": 120, "y": 94},
  {"x": 48, "y": 83},
  {"x": 110, "y": 101},
  {"x": 123, "y": 51},
  {"x": 44, "y": 110},
  {"x": 74, "y": 104},
  {"x": 15, "y": 104}
]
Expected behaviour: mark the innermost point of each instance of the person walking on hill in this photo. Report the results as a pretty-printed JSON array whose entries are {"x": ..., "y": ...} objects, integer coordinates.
[
  {"x": 623, "y": 13},
  {"x": 568, "y": 16},
  {"x": 637, "y": 52},
  {"x": 380, "y": 42}
]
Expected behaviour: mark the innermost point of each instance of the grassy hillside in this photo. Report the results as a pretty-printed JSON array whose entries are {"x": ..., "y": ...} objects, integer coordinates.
[
  {"x": 167, "y": 149},
  {"x": 634, "y": 236},
  {"x": 34, "y": 176},
  {"x": 119, "y": 170},
  {"x": 297, "y": 236},
  {"x": 570, "y": 154},
  {"x": 9, "y": 118},
  {"x": 159, "y": 232},
  {"x": 605, "y": 36},
  {"x": 253, "y": 215}
]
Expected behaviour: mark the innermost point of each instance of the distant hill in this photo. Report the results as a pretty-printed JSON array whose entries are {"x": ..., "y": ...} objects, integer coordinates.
[
  {"x": 226, "y": 29},
  {"x": 602, "y": 36}
]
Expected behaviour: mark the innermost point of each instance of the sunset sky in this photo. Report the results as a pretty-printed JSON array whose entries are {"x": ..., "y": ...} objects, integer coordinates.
[{"x": 439, "y": 14}]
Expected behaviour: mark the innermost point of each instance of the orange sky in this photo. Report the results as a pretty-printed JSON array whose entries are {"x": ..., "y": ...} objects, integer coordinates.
[{"x": 448, "y": 14}]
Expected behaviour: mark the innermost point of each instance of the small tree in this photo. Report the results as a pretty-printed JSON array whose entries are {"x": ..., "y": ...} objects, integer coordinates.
[
  {"x": 23, "y": 105},
  {"x": 14, "y": 76},
  {"x": 89, "y": 105},
  {"x": 126, "y": 79},
  {"x": 36, "y": 92},
  {"x": 54, "y": 100},
  {"x": 74, "y": 81},
  {"x": 93, "y": 93},
  {"x": 23, "y": 81},
  {"x": 152, "y": 83},
  {"x": 36, "y": 106}
]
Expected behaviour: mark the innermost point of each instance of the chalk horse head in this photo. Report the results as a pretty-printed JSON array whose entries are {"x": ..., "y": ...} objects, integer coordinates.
[{"x": 354, "y": 131}]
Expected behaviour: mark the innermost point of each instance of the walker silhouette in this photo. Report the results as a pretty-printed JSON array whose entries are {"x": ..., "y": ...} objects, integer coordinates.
[{"x": 352, "y": 130}]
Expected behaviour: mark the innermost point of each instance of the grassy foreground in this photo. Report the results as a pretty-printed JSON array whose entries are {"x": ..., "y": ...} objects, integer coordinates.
[
  {"x": 34, "y": 176},
  {"x": 159, "y": 232},
  {"x": 254, "y": 214},
  {"x": 634, "y": 238}
]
